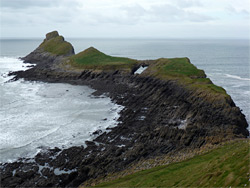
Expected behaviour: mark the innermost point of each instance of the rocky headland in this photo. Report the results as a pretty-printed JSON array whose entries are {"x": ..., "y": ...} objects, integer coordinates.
[{"x": 170, "y": 107}]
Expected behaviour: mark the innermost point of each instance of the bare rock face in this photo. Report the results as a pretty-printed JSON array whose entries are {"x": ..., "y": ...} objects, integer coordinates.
[
  {"x": 159, "y": 117},
  {"x": 51, "y": 35}
]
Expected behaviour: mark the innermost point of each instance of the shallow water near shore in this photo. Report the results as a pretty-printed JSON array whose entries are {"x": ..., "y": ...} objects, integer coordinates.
[{"x": 35, "y": 115}]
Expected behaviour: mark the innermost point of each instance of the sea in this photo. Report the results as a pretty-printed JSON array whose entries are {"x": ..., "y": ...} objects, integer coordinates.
[{"x": 35, "y": 116}]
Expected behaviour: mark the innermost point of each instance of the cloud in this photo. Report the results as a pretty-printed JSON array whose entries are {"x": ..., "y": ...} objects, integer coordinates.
[
  {"x": 242, "y": 12},
  {"x": 188, "y": 3},
  {"x": 164, "y": 13},
  {"x": 134, "y": 10},
  {"x": 21, "y": 4},
  {"x": 39, "y": 12},
  {"x": 119, "y": 17},
  {"x": 137, "y": 14}
]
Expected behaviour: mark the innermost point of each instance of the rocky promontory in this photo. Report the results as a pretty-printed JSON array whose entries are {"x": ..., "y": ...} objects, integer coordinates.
[
  {"x": 170, "y": 107},
  {"x": 53, "y": 47}
]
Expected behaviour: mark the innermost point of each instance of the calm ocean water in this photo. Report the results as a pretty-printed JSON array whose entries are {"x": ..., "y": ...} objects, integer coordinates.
[{"x": 35, "y": 115}]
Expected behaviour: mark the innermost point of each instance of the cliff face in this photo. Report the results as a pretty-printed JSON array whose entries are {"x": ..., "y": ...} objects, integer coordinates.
[{"x": 167, "y": 109}]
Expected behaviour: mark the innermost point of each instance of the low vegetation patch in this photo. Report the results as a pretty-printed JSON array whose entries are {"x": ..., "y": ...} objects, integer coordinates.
[
  {"x": 180, "y": 67},
  {"x": 57, "y": 46},
  {"x": 181, "y": 70},
  {"x": 223, "y": 167},
  {"x": 91, "y": 58}
]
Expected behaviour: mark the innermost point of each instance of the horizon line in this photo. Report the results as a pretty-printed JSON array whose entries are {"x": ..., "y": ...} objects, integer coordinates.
[{"x": 135, "y": 37}]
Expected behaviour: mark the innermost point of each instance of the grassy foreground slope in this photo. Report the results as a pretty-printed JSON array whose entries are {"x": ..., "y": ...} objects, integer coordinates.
[{"x": 222, "y": 167}]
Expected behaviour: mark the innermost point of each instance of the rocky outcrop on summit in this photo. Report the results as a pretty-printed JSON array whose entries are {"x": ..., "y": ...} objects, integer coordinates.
[
  {"x": 53, "y": 47},
  {"x": 167, "y": 109}
]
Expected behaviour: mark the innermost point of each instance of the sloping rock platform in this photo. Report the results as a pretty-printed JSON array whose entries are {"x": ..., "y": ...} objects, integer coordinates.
[{"x": 160, "y": 115}]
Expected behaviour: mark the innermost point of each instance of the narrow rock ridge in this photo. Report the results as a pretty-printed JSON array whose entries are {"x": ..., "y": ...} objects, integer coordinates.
[{"x": 160, "y": 116}]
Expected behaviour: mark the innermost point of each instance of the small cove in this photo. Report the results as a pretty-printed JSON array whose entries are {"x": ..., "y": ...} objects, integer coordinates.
[{"x": 37, "y": 116}]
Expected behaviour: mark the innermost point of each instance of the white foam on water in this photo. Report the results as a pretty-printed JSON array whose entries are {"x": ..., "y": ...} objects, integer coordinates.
[
  {"x": 58, "y": 172},
  {"x": 183, "y": 124},
  {"x": 8, "y": 64},
  {"x": 237, "y": 77},
  {"x": 140, "y": 70},
  {"x": 36, "y": 114}
]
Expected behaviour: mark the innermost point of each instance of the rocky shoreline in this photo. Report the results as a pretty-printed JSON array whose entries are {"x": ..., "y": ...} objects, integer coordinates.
[{"x": 159, "y": 117}]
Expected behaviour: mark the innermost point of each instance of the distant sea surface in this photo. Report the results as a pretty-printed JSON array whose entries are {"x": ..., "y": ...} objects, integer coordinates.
[{"x": 35, "y": 115}]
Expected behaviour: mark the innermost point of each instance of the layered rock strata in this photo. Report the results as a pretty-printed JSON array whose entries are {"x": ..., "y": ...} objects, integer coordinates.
[{"x": 160, "y": 116}]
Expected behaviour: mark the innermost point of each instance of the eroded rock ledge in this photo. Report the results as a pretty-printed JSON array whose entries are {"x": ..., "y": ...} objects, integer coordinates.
[{"x": 160, "y": 116}]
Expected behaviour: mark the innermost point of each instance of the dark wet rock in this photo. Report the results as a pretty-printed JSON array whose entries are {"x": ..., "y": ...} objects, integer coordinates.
[
  {"x": 159, "y": 117},
  {"x": 97, "y": 132}
]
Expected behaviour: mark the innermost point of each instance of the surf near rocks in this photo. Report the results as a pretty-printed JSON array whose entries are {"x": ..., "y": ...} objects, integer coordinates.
[{"x": 171, "y": 106}]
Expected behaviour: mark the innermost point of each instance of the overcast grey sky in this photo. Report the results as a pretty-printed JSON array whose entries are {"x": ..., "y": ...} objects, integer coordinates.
[{"x": 126, "y": 18}]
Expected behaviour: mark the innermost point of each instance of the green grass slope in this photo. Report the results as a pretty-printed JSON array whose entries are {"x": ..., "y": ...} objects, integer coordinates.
[
  {"x": 91, "y": 58},
  {"x": 57, "y": 46},
  {"x": 181, "y": 70},
  {"x": 223, "y": 167}
]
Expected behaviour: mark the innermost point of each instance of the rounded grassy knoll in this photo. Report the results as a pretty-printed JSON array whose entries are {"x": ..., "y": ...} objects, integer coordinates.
[
  {"x": 183, "y": 71},
  {"x": 93, "y": 59}
]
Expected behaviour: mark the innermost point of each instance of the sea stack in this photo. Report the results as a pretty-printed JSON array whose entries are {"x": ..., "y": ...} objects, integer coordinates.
[{"x": 54, "y": 46}]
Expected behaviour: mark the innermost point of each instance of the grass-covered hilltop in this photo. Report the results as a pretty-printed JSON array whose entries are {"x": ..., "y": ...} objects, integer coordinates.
[
  {"x": 178, "y": 69},
  {"x": 93, "y": 59},
  {"x": 55, "y": 44},
  {"x": 175, "y": 125}
]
